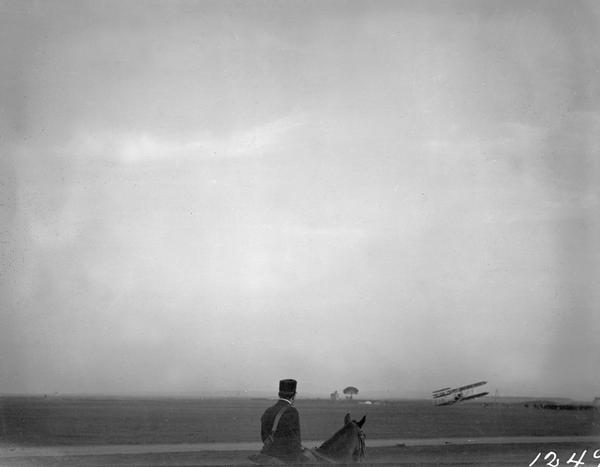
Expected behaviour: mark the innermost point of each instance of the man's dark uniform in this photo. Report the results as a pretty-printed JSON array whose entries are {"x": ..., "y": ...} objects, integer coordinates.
[{"x": 287, "y": 442}]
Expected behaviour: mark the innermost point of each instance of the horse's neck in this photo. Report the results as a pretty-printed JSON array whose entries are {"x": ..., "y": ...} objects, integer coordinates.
[
  {"x": 320, "y": 456},
  {"x": 339, "y": 439}
]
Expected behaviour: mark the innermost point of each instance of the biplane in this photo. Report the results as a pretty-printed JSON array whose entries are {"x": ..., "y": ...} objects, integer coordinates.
[{"x": 448, "y": 396}]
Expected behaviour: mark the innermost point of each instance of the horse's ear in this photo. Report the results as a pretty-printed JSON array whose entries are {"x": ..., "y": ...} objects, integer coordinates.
[
  {"x": 347, "y": 419},
  {"x": 361, "y": 422}
]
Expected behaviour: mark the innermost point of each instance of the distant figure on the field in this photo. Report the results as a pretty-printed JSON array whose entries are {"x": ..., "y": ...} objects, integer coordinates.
[{"x": 280, "y": 426}]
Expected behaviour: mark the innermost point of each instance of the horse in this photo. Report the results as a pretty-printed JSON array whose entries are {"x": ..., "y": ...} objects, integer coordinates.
[{"x": 347, "y": 445}]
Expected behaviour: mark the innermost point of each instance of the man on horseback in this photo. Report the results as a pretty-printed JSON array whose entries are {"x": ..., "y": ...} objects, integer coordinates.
[
  {"x": 280, "y": 426},
  {"x": 280, "y": 432}
]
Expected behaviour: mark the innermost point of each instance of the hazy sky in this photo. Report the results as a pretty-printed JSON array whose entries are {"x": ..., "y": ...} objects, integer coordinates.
[{"x": 210, "y": 196}]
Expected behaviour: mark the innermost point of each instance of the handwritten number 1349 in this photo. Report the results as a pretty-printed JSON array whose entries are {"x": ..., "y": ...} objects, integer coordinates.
[{"x": 553, "y": 461}]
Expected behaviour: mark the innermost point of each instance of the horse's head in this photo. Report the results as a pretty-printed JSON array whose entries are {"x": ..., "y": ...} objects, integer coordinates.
[
  {"x": 348, "y": 443},
  {"x": 348, "y": 419},
  {"x": 361, "y": 449}
]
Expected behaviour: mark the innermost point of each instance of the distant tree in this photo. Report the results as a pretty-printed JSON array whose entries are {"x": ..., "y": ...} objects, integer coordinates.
[
  {"x": 334, "y": 396},
  {"x": 350, "y": 390}
]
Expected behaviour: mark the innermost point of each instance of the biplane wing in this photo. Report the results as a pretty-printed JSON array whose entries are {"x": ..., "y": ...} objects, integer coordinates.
[{"x": 448, "y": 396}]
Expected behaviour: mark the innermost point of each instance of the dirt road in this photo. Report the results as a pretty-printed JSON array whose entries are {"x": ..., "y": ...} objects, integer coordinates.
[{"x": 499, "y": 451}]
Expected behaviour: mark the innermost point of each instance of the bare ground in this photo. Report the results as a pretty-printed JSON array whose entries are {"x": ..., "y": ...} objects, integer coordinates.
[{"x": 454, "y": 452}]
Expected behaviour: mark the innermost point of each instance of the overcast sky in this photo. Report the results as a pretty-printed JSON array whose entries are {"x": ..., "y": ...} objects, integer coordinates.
[{"x": 211, "y": 196}]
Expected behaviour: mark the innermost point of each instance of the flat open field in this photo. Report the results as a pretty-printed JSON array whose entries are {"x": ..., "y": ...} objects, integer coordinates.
[
  {"x": 60, "y": 423},
  {"x": 38, "y": 421}
]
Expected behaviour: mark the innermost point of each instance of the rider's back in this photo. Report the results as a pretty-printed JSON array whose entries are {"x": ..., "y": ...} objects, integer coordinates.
[{"x": 287, "y": 443}]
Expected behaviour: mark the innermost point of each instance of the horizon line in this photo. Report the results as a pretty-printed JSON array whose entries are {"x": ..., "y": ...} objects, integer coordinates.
[{"x": 262, "y": 395}]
